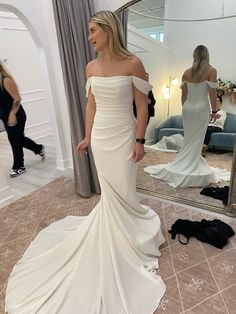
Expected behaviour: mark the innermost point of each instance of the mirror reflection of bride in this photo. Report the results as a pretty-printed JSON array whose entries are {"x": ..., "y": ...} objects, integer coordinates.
[{"x": 190, "y": 169}]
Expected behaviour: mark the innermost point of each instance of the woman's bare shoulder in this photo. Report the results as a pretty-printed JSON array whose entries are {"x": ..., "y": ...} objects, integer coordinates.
[
  {"x": 137, "y": 67},
  {"x": 134, "y": 61},
  {"x": 90, "y": 67},
  {"x": 187, "y": 74},
  {"x": 8, "y": 82},
  {"x": 211, "y": 74},
  {"x": 212, "y": 70}
]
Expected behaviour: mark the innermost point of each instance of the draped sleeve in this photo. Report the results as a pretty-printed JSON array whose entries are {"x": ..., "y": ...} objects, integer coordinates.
[
  {"x": 212, "y": 84},
  {"x": 88, "y": 85},
  {"x": 182, "y": 84},
  {"x": 142, "y": 85}
]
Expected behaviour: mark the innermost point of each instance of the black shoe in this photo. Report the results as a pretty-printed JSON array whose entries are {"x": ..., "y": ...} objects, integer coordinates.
[
  {"x": 17, "y": 172},
  {"x": 42, "y": 153}
]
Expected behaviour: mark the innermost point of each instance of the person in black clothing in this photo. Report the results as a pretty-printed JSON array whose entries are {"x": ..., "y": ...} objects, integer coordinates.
[
  {"x": 13, "y": 116},
  {"x": 214, "y": 126},
  {"x": 151, "y": 104}
]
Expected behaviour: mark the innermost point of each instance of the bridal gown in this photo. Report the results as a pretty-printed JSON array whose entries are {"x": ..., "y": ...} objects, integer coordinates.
[
  {"x": 190, "y": 169},
  {"x": 103, "y": 263}
]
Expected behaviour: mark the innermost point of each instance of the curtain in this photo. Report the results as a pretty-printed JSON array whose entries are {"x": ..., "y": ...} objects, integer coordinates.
[{"x": 71, "y": 18}]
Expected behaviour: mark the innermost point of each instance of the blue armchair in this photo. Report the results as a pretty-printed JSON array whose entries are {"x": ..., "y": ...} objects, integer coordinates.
[{"x": 219, "y": 140}]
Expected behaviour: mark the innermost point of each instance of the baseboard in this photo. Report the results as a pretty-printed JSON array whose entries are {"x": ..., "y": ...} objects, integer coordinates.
[{"x": 63, "y": 164}]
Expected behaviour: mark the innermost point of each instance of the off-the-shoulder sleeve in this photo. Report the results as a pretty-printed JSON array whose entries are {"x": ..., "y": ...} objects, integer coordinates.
[
  {"x": 182, "y": 84},
  {"x": 212, "y": 84},
  {"x": 88, "y": 85},
  {"x": 141, "y": 85}
]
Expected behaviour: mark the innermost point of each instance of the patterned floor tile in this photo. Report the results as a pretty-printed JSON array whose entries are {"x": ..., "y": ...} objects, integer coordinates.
[
  {"x": 229, "y": 296},
  {"x": 214, "y": 304},
  {"x": 196, "y": 284},
  {"x": 13, "y": 249},
  {"x": 171, "y": 302},
  {"x": 224, "y": 268},
  {"x": 166, "y": 269},
  {"x": 5, "y": 270},
  {"x": 185, "y": 256}
]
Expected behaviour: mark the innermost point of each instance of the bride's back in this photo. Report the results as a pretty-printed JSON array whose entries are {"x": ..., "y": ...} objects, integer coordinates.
[{"x": 206, "y": 76}]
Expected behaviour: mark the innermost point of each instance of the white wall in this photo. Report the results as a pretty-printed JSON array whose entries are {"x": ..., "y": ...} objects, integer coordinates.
[
  {"x": 37, "y": 17},
  {"x": 154, "y": 56},
  {"x": 24, "y": 64},
  {"x": 218, "y": 36},
  {"x": 109, "y": 4}
]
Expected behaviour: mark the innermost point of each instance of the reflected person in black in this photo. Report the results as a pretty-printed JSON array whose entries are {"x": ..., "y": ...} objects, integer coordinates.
[
  {"x": 151, "y": 104},
  {"x": 214, "y": 126},
  {"x": 14, "y": 117}
]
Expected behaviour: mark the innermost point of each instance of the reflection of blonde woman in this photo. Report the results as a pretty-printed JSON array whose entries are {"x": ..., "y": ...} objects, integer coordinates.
[
  {"x": 189, "y": 168},
  {"x": 13, "y": 116},
  {"x": 103, "y": 263}
]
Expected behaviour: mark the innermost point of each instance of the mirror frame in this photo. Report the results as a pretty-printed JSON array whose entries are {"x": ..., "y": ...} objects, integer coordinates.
[{"x": 230, "y": 209}]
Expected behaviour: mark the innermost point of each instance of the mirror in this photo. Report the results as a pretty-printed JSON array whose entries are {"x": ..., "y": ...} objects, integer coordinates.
[{"x": 165, "y": 46}]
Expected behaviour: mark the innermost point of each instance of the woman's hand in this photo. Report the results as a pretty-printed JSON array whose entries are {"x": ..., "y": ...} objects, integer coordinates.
[
  {"x": 214, "y": 116},
  {"x": 12, "y": 121},
  {"x": 138, "y": 152},
  {"x": 82, "y": 146}
]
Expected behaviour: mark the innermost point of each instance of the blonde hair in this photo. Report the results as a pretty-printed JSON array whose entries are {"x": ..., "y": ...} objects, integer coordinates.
[
  {"x": 4, "y": 73},
  {"x": 200, "y": 62},
  {"x": 109, "y": 23}
]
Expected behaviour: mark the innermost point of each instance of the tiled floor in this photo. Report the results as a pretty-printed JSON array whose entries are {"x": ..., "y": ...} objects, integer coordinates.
[
  {"x": 145, "y": 181},
  {"x": 199, "y": 278}
]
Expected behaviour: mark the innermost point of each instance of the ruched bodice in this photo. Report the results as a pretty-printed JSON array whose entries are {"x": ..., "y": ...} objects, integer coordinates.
[
  {"x": 114, "y": 94},
  {"x": 105, "y": 262}
]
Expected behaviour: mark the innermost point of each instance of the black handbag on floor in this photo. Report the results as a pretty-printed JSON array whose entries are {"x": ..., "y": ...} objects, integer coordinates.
[{"x": 215, "y": 232}]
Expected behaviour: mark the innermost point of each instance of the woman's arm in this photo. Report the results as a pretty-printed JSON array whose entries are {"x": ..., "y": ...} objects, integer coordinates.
[
  {"x": 184, "y": 92},
  {"x": 89, "y": 118},
  {"x": 212, "y": 91},
  {"x": 141, "y": 101},
  {"x": 11, "y": 87}
]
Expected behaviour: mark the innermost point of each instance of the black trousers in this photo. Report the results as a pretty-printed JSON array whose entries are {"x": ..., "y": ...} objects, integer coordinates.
[
  {"x": 210, "y": 130},
  {"x": 18, "y": 140}
]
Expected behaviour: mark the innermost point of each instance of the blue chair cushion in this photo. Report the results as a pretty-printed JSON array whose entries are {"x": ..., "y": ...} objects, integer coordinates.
[{"x": 219, "y": 140}]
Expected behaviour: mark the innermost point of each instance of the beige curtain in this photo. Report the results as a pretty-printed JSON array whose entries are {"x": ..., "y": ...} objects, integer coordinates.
[{"x": 71, "y": 18}]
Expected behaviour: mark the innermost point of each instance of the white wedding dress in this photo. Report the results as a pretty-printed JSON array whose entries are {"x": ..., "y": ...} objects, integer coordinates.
[
  {"x": 190, "y": 169},
  {"x": 103, "y": 263}
]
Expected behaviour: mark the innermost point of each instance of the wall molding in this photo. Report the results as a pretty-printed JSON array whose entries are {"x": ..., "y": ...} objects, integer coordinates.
[
  {"x": 8, "y": 15},
  {"x": 32, "y": 91},
  {"x": 32, "y": 100},
  {"x": 14, "y": 28},
  {"x": 38, "y": 130},
  {"x": 63, "y": 164}
]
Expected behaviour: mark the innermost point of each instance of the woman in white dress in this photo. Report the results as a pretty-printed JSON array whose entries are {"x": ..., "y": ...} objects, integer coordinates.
[
  {"x": 104, "y": 263},
  {"x": 189, "y": 169}
]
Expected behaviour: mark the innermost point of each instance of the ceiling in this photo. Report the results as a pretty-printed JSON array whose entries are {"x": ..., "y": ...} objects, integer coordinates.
[{"x": 147, "y": 7}]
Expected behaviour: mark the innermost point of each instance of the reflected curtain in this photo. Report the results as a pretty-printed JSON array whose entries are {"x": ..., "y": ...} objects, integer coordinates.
[{"x": 71, "y": 19}]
